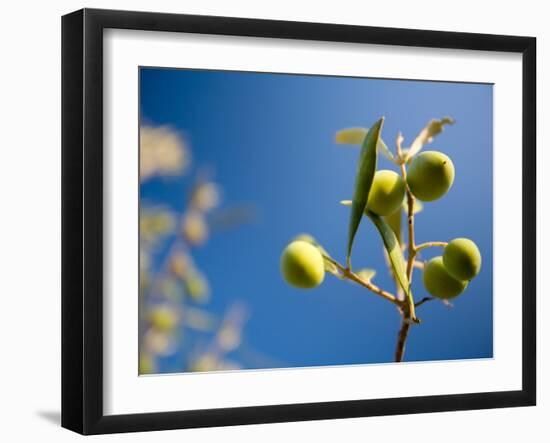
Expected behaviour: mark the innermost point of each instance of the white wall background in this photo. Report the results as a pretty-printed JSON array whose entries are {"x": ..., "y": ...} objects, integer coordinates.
[{"x": 30, "y": 189}]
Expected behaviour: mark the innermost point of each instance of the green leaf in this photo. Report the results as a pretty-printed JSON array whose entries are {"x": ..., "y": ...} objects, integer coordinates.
[
  {"x": 366, "y": 274},
  {"x": 395, "y": 255},
  {"x": 329, "y": 266},
  {"x": 363, "y": 181},
  {"x": 351, "y": 136},
  {"x": 427, "y": 134},
  {"x": 356, "y": 136},
  {"x": 394, "y": 221}
]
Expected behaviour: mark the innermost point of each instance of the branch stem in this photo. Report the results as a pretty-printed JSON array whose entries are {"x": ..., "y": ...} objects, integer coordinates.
[
  {"x": 402, "y": 340},
  {"x": 424, "y": 300},
  {"x": 350, "y": 275},
  {"x": 408, "y": 312}
]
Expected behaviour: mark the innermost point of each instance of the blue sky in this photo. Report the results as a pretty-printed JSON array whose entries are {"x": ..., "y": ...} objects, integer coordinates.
[{"x": 269, "y": 138}]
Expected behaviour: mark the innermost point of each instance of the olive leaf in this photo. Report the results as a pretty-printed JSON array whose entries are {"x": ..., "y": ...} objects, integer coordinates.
[
  {"x": 356, "y": 136},
  {"x": 366, "y": 274},
  {"x": 394, "y": 221},
  {"x": 395, "y": 255},
  {"x": 329, "y": 266},
  {"x": 427, "y": 134},
  {"x": 363, "y": 182}
]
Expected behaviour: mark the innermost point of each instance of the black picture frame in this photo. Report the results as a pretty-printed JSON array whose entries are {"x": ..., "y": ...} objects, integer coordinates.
[{"x": 82, "y": 220}]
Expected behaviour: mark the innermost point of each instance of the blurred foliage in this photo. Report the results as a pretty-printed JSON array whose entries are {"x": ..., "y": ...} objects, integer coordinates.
[
  {"x": 174, "y": 292},
  {"x": 162, "y": 152}
]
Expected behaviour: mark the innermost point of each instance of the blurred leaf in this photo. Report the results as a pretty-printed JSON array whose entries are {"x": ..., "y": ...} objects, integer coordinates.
[
  {"x": 395, "y": 254},
  {"x": 162, "y": 152},
  {"x": 170, "y": 289},
  {"x": 159, "y": 342},
  {"x": 206, "y": 362},
  {"x": 196, "y": 286},
  {"x": 346, "y": 202},
  {"x": 155, "y": 224},
  {"x": 329, "y": 266},
  {"x": 223, "y": 219},
  {"x": 427, "y": 134},
  {"x": 163, "y": 222},
  {"x": 228, "y": 365},
  {"x": 194, "y": 228},
  {"x": 417, "y": 207},
  {"x": 163, "y": 317},
  {"x": 144, "y": 280},
  {"x": 229, "y": 338},
  {"x": 366, "y": 274},
  {"x": 205, "y": 197},
  {"x": 180, "y": 265},
  {"x": 356, "y": 136},
  {"x": 146, "y": 364},
  {"x": 363, "y": 181},
  {"x": 199, "y": 320}
]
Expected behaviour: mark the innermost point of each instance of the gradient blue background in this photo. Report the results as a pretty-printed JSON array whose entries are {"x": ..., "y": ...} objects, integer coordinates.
[{"x": 270, "y": 140}]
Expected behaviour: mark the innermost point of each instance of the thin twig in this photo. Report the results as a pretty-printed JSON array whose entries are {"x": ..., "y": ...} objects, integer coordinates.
[
  {"x": 411, "y": 245},
  {"x": 424, "y": 300},
  {"x": 429, "y": 245},
  {"x": 410, "y": 224},
  {"x": 350, "y": 275},
  {"x": 408, "y": 313}
]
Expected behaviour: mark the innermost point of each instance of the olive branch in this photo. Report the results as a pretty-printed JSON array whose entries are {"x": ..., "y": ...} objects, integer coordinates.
[{"x": 381, "y": 196}]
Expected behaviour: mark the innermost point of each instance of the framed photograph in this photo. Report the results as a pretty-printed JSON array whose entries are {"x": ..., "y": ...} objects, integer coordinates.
[{"x": 269, "y": 221}]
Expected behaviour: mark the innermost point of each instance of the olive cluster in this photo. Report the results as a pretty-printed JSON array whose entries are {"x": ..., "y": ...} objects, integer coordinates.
[
  {"x": 447, "y": 276},
  {"x": 430, "y": 176}
]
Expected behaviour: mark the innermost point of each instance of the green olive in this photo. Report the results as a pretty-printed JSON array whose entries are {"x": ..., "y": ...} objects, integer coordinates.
[
  {"x": 430, "y": 175},
  {"x": 302, "y": 265},
  {"x": 462, "y": 259},
  {"x": 387, "y": 192},
  {"x": 439, "y": 282}
]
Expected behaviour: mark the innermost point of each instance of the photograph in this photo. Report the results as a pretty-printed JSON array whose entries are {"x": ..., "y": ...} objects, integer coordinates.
[
  {"x": 300, "y": 220},
  {"x": 286, "y": 219}
]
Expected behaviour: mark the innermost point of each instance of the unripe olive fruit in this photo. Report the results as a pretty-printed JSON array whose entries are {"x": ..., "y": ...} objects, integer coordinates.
[
  {"x": 302, "y": 265},
  {"x": 430, "y": 175},
  {"x": 439, "y": 282},
  {"x": 462, "y": 259},
  {"x": 386, "y": 193}
]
